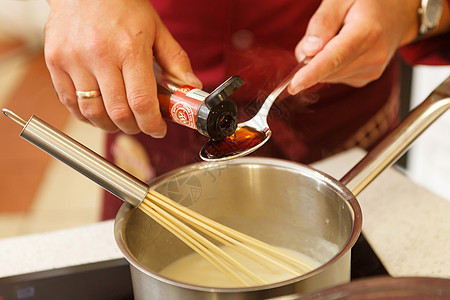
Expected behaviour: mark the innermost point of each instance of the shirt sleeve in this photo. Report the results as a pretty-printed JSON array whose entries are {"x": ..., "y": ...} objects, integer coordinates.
[{"x": 432, "y": 51}]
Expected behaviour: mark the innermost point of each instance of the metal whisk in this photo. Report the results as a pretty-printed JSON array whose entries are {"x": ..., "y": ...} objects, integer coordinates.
[{"x": 189, "y": 226}]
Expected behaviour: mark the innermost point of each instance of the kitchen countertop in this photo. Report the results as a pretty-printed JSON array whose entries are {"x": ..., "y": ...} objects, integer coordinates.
[
  {"x": 58, "y": 249},
  {"x": 407, "y": 226}
]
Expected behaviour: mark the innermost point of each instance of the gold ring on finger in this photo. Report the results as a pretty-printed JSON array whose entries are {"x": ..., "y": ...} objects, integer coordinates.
[{"x": 88, "y": 94}]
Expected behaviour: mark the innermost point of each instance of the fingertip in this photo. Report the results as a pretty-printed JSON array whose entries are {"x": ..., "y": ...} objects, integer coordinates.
[
  {"x": 299, "y": 55},
  {"x": 291, "y": 90},
  {"x": 296, "y": 85},
  {"x": 160, "y": 133},
  {"x": 311, "y": 45},
  {"x": 155, "y": 127},
  {"x": 193, "y": 80},
  {"x": 294, "y": 89}
]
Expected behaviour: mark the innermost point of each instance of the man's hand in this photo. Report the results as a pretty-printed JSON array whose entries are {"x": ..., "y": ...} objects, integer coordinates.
[
  {"x": 109, "y": 45},
  {"x": 352, "y": 41}
]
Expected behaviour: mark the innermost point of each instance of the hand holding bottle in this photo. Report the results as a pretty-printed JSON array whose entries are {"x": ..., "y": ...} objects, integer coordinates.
[{"x": 111, "y": 63}]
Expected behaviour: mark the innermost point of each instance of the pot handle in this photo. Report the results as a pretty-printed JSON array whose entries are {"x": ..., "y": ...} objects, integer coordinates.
[
  {"x": 394, "y": 145},
  {"x": 389, "y": 150}
]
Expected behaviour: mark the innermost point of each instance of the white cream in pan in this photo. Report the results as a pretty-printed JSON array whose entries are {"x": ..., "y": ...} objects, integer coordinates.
[{"x": 194, "y": 269}]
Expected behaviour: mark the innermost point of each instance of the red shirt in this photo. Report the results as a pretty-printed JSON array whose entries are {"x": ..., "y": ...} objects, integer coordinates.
[{"x": 256, "y": 40}]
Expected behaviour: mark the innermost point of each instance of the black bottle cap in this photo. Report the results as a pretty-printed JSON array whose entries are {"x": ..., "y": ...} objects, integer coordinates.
[{"x": 217, "y": 116}]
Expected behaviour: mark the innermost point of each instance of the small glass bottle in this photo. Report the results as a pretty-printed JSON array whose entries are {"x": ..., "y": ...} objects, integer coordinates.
[{"x": 212, "y": 114}]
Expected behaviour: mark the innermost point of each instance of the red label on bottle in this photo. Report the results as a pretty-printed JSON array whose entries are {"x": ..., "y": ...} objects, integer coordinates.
[{"x": 184, "y": 105}]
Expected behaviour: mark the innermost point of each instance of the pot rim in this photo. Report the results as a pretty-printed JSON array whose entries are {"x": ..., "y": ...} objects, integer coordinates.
[{"x": 351, "y": 201}]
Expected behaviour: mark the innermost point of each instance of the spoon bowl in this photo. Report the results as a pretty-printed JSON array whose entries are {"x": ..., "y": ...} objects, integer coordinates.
[
  {"x": 249, "y": 135},
  {"x": 244, "y": 141}
]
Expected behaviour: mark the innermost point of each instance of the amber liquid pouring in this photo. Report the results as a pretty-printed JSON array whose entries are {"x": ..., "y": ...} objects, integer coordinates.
[{"x": 243, "y": 139}]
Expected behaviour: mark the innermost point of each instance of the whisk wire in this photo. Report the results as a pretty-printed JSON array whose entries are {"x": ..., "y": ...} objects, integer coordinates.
[
  {"x": 206, "y": 245},
  {"x": 226, "y": 235},
  {"x": 176, "y": 218},
  {"x": 193, "y": 244},
  {"x": 213, "y": 233}
]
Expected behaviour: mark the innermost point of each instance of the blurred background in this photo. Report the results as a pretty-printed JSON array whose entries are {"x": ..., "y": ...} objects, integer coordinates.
[{"x": 38, "y": 193}]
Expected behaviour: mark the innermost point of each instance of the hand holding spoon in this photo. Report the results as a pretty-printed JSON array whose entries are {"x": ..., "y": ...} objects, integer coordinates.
[{"x": 249, "y": 135}]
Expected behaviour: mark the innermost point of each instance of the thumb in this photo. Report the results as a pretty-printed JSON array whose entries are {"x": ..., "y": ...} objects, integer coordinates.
[
  {"x": 172, "y": 58},
  {"x": 322, "y": 27}
]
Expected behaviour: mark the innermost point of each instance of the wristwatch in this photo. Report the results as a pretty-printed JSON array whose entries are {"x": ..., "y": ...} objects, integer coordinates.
[{"x": 430, "y": 12}]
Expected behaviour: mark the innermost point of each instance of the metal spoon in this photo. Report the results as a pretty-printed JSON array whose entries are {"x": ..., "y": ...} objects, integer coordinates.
[{"x": 249, "y": 135}]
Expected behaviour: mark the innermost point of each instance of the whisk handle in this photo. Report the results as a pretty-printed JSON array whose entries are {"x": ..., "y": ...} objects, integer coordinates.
[{"x": 82, "y": 159}]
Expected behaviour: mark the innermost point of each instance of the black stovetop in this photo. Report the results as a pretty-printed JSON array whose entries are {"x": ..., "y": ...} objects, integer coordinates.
[{"x": 111, "y": 280}]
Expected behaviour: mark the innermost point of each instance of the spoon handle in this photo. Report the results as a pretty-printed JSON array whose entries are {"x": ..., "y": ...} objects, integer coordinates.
[{"x": 265, "y": 108}]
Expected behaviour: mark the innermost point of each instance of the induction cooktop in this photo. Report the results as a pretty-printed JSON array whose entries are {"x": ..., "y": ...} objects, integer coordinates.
[{"x": 111, "y": 280}]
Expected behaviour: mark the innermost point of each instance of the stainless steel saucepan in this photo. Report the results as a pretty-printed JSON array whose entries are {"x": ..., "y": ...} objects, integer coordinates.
[{"x": 283, "y": 203}]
